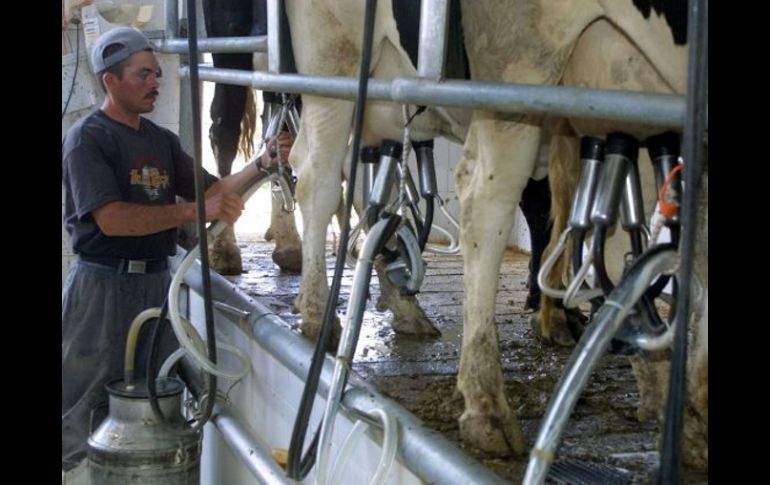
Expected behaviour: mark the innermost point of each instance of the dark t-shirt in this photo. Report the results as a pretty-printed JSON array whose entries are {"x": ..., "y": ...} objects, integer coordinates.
[{"x": 105, "y": 161}]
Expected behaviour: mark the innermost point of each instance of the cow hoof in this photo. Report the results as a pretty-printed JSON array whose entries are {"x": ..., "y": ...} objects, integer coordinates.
[
  {"x": 269, "y": 234},
  {"x": 420, "y": 326},
  {"x": 226, "y": 260},
  {"x": 576, "y": 322},
  {"x": 695, "y": 430},
  {"x": 559, "y": 334},
  {"x": 695, "y": 448},
  {"x": 408, "y": 317},
  {"x": 313, "y": 331},
  {"x": 288, "y": 259},
  {"x": 493, "y": 435},
  {"x": 225, "y": 255}
]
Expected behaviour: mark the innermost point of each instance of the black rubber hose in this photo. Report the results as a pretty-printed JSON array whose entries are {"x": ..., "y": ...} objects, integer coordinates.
[
  {"x": 372, "y": 214},
  {"x": 297, "y": 467},
  {"x": 200, "y": 199},
  {"x": 646, "y": 307},
  {"x": 600, "y": 236},
  {"x": 152, "y": 368},
  {"x": 578, "y": 237},
  {"x": 418, "y": 222},
  {"x": 424, "y": 231},
  {"x": 635, "y": 236},
  {"x": 192, "y": 45},
  {"x": 695, "y": 154},
  {"x": 657, "y": 287}
]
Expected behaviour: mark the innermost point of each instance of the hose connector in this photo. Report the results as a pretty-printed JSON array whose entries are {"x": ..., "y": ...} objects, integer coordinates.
[
  {"x": 591, "y": 158},
  {"x": 619, "y": 152}
]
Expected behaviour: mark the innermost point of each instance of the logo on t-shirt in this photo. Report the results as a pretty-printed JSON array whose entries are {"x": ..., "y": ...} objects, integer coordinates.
[{"x": 152, "y": 180}]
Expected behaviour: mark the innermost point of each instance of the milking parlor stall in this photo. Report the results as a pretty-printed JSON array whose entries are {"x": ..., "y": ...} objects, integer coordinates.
[{"x": 514, "y": 290}]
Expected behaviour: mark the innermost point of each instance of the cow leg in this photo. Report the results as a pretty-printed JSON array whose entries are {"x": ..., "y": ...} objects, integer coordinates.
[
  {"x": 497, "y": 161},
  {"x": 224, "y": 18},
  {"x": 287, "y": 253},
  {"x": 553, "y": 324},
  {"x": 652, "y": 371},
  {"x": 317, "y": 156},
  {"x": 696, "y": 437},
  {"x": 226, "y": 112},
  {"x": 408, "y": 316},
  {"x": 535, "y": 204}
]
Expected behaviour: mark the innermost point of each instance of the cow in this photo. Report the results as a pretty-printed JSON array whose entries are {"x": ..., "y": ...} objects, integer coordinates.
[
  {"x": 594, "y": 63},
  {"x": 518, "y": 41}
]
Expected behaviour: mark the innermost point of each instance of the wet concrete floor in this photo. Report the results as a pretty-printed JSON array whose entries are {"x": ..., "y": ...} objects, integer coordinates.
[{"x": 421, "y": 373}]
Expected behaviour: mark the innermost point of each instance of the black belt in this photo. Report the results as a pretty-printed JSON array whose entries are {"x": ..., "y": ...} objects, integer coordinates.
[{"x": 140, "y": 266}]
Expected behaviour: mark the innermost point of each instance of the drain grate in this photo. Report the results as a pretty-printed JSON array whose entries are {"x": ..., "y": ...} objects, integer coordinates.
[{"x": 573, "y": 472}]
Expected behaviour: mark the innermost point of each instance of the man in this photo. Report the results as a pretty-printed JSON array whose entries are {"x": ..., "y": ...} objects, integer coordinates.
[{"x": 122, "y": 174}]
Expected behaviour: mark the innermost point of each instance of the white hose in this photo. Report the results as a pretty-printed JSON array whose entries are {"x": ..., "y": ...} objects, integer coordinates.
[
  {"x": 454, "y": 244},
  {"x": 699, "y": 309},
  {"x": 342, "y": 458},
  {"x": 131, "y": 339},
  {"x": 574, "y": 296},
  {"x": 172, "y": 359},
  {"x": 186, "y": 333},
  {"x": 389, "y": 444},
  {"x": 548, "y": 265}
]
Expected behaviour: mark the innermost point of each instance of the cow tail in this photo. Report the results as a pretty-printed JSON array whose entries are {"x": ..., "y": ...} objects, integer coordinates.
[{"x": 248, "y": 125}]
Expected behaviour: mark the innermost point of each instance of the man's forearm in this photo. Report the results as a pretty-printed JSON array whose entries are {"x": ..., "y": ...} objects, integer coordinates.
[
  {"x": 128, "y": 219},
  {"x": 235, "y": 183}
]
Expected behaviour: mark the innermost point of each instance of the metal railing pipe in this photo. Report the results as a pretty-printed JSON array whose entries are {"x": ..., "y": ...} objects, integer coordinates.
[
  {"x": 253, "y": 456},
  {"x": 434, "y": 15},
  {"x": 425, "y": 452},
  {"x": 275, "y": 59},
  {"x": 171, "y": 11},
  {"x": 649, "y": 108},
  {"x": 665, "y": 110},
  {"x": 219, "y": 45},
  {"x": 332, "y": 86}
]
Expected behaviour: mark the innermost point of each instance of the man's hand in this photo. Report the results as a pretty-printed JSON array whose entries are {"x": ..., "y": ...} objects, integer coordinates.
[
  {"x": 277, "y": 150},
  {"x": 224, "y": 206}
]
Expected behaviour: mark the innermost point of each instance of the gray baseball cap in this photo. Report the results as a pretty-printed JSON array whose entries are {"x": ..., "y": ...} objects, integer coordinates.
[{"x": 130, "y": 38}]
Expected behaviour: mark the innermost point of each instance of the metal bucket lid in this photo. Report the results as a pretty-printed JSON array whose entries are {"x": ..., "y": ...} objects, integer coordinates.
[{"x": 164, "y": 386}]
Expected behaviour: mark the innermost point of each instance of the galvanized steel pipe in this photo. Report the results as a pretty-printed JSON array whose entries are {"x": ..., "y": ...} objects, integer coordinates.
[
  {"x": 427, "y": 454},
  {"x": 224, "y": 45},
  {"x": 171, "y": 12},
  {"x": 253, "y": 455},
  {"x": 665, "y": 110},
  {"x": 275, "y": 60},
  {"x": 649, "y": 108},
  {"x": 434, "y": 15}
]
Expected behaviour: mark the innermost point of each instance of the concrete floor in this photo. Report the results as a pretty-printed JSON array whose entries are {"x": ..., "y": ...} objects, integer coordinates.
[{"x": 420, "y": 373}]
